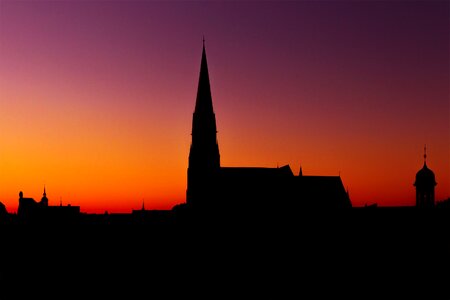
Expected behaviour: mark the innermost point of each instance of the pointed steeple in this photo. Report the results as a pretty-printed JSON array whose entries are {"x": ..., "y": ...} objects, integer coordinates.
[
  {"x": 204, "y": 157},
  {"x": 203, "y": 103},
  {"x": 204, "y": 153},
  {"x": 301, "y": 171}
]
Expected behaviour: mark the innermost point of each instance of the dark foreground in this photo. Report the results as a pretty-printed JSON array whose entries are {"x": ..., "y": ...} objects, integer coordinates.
[{"x": 359, "y": 252}]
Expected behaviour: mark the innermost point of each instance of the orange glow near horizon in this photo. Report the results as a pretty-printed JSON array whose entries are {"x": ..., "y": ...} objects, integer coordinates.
[{"x": 96, "y": 100}]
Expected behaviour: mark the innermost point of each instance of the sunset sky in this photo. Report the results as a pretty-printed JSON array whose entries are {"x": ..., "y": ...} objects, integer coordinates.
[{"x": 96, "y": 97}]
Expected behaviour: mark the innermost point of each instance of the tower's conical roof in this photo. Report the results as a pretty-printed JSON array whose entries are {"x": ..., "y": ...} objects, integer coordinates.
[{"x": 204, "y": 99}]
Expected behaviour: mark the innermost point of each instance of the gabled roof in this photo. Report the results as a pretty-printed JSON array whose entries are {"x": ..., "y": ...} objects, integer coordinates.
[{"x": 328, "y": 191}]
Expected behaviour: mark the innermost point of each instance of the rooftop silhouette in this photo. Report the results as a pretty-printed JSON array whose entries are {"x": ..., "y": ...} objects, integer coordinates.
[
  {"x": 253, "y": 223},
  {"x": 213, "y": 187},
  {"x": 216, "y": 190}
]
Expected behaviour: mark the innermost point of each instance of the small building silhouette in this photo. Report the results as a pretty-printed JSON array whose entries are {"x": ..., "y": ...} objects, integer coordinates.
[
  {"x": 30, "y": 210},
  {"x": 425, "y": 183},
  {"x": 3, "y": 211},
  {"x": 28, "y": 207}
]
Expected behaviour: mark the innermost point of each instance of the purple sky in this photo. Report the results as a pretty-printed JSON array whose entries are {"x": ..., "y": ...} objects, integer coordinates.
[{"x": 356, "y": 87}]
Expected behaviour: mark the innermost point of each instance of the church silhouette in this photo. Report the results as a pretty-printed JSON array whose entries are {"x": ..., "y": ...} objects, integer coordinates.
[
  {"x": 309, "y": 236},
  {"x": 211, "y": 186}
]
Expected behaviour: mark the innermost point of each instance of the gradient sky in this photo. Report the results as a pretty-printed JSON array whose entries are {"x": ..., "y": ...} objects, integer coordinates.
[{"x": 96, "y": 97}]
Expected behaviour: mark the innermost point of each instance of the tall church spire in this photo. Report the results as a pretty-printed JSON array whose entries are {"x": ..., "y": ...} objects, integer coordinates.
[
  {"x": 204, "y": 157},
  {"x": 203, "y": 103},
  {"x": 204, "y": 153}
]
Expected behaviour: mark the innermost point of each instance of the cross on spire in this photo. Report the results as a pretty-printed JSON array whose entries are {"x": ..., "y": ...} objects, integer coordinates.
[{"x": 425, "y": 154}]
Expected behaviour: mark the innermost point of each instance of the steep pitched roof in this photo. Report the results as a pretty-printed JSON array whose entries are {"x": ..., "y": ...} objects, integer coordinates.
[
  {"x": 203, "y": 102},
  {"x": 322, "y": 191}
]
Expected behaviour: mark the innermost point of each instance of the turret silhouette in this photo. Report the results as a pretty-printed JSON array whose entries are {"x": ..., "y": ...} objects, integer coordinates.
[
  {"x": 44, "y": 199},
  {"x": 425, "y": 183}
]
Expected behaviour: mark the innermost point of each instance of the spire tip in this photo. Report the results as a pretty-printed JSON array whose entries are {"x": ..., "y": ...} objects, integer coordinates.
[{"x": 425, "y": 154}]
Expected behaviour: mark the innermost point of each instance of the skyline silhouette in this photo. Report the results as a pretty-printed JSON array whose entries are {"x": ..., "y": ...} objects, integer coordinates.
[
  {"x": 100, "y": 112},
  {"x": 327, "y": 105},
  {"x": 218, "y": 191}
]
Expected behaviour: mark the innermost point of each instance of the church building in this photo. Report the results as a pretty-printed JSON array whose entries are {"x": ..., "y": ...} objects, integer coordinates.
[{"x": 211, "y": 186}]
